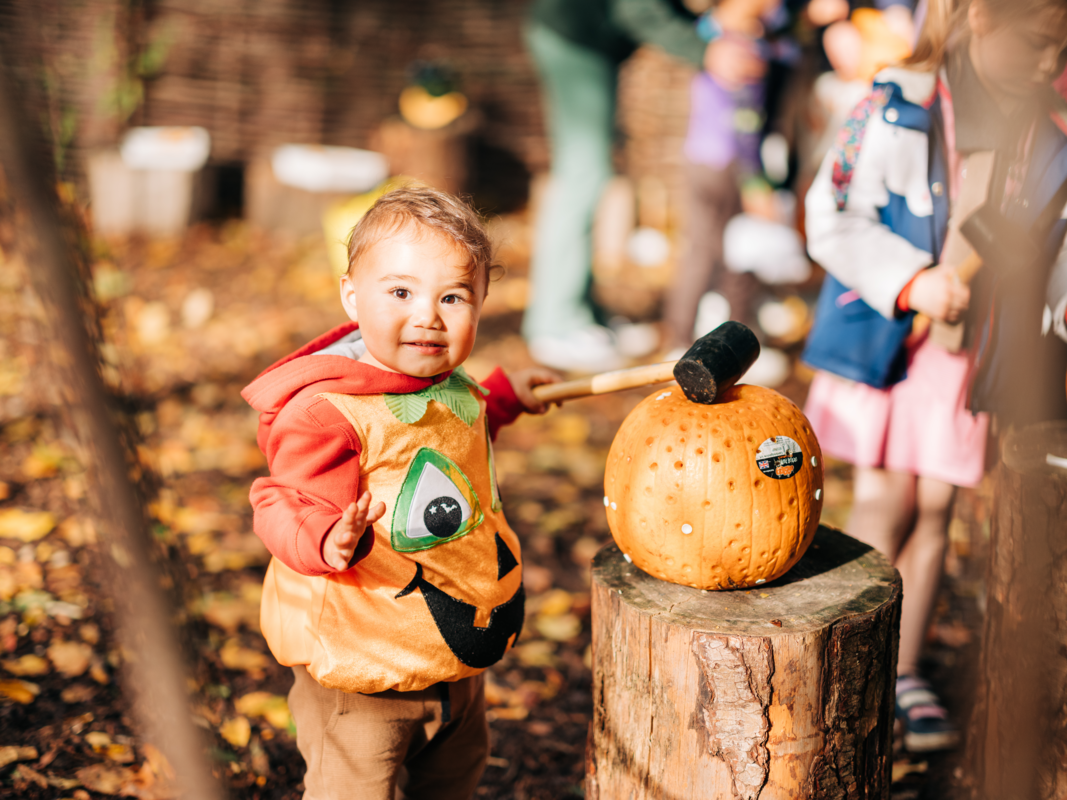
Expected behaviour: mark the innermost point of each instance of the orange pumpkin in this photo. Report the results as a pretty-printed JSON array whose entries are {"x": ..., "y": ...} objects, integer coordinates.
[{"x": 714, "y": 496}]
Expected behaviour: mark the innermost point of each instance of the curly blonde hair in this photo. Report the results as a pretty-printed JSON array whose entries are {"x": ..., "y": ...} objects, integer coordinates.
[{"x": 433, "y": 210}]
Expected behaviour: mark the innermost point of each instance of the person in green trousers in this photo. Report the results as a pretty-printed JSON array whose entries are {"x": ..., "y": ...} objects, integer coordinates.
[{"x": 578, "y": 46}]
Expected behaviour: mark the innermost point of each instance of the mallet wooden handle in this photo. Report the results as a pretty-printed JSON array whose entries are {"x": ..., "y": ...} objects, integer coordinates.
[
  {"x": 606, "y": 382},
  {"x": 969, "y": 267}
]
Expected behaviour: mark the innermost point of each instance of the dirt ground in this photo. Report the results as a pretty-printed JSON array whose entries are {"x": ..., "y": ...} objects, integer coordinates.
[{"x": 188, "y": 323}]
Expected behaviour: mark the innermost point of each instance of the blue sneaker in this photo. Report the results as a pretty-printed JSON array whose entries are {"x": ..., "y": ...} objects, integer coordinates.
[{"x": 926, "y": 724}]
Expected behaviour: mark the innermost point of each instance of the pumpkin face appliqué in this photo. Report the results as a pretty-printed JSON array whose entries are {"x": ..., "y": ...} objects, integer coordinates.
[
  {"x": 437, "y": 595},
  {"x": 437, "y": 505},
  {"x": 476, "y": 647}
]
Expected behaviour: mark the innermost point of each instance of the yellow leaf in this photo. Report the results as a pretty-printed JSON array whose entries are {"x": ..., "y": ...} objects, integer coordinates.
[
  {"x": 43, "y": 462},
  {"x": 555, "y": 603},
  {"x": 200, "y": 543},
  {"x": 90, "y": 632},
  {"x": 20, "y": 691},
  {"x": 98, "y": 740},
  {"x": 559, "y": 519},
  {"x": 26, "y": 526},
  {"x": 78, "y": 693},
  {"x": 536, "y": 653},
  {"x": 583, "y": 550},
  {"x": 43, "y": 552},
  {"x": 158, "y": 763},
  {"x": 570, "y": 429},
  {"x": 236, "y": 657},
  {"x": 106, "y": 780},
  {"x": 9, "y": 755},
  {"x": 559, "y": 629},
  {"x": 26, "y": 665},
  {"x": 270, "y": 707},
  {"x": 78, "y": 531},
  {"x": 122, "y": 753},
  {"x": 70, "y": 658},
  {"x": 496, "y": 694},
  {"x": 901, "y": 769},
  {"x": 98, "y": 673},
  {"x": 229, "y": 613},
  {"x": 23, "y": 774},
  {"x": 509, "y": 713},
  {"x": 236, "y": 731},
  {"x": 235, "y": 560}
]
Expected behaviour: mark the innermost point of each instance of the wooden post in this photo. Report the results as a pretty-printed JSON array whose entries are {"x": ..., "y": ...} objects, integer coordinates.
[
  {"x": 435, "y": 157},
  {"x": 781, "y": 692},
  {"x": 1017, "y": 744}
]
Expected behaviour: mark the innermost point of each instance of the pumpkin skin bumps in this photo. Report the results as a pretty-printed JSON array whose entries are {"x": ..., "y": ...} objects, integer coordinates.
[{"x": 717, "y": 496}]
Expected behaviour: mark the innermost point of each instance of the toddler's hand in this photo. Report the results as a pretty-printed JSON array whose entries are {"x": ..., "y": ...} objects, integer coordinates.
[
  {"x": 939, "y": 293},
  {"x": 523, "y": 382},
  {"x": 344, "y": 535}
]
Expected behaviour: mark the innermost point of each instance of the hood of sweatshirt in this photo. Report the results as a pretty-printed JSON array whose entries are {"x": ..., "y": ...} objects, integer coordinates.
[{"x": 328, "y": 363}]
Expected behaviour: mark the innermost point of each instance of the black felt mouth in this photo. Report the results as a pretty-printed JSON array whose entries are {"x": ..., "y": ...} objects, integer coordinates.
[{"x": 476, "y": 647}]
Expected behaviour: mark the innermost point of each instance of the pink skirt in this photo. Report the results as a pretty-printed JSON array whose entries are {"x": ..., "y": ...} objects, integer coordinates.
[{"x": 919, "y": 426}]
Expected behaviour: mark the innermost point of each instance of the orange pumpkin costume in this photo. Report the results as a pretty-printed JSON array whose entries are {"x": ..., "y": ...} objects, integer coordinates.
[{"x": 434, "y": 592}]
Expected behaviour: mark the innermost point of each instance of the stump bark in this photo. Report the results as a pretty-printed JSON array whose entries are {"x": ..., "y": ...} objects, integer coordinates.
[
  {"x": 784, "y": 691},
  {"x": 1017, "y": 742}
]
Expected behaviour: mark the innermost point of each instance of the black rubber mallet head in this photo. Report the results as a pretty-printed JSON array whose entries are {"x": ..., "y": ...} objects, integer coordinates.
[
  {"x": 709, "y": 368},
  {"x": 716, "y": 361}
]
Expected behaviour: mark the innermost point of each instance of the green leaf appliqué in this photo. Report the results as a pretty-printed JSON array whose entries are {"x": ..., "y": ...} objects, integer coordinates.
[
  {"x": 452, "y": 393},
  {"x": 467, "y": 379},
  {"x": 408, "y": 408},
  {"x": 455, "y": 395}
]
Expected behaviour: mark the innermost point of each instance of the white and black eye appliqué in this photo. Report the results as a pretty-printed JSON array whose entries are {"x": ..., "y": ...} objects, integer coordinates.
[{"x": 436, "y": 504}]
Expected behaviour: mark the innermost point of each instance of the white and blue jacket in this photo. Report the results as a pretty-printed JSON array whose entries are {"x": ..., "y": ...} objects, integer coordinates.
[{"x": 878, "y": 212}]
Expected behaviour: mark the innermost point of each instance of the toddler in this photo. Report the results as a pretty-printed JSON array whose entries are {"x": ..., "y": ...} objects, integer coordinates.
[{"x": 395, "y": 579}]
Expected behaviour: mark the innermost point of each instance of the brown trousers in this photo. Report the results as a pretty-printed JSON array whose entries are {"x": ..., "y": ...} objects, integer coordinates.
[{"x": 425, "y": 745}]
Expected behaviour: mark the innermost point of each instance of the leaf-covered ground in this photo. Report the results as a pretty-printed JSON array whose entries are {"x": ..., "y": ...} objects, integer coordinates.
[{"x": 188, "y": 323}]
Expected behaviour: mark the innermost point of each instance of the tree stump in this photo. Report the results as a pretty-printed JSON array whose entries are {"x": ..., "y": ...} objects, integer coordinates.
[
  {"x": 784, "y": 691},
  {"x": 1017, "y": 743}
]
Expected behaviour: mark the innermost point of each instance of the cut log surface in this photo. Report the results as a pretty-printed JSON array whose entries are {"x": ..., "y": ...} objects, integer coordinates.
[
  {"x": 1017, "y": 737},
  {"x": 781, "y": 691}
]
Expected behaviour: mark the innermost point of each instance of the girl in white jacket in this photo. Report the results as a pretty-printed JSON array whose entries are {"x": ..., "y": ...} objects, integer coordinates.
[{"x": 971, "y": 117}]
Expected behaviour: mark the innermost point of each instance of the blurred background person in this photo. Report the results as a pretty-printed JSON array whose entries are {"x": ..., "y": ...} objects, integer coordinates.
[
  {"x": 727, "y": 120},
  {"x": 578, "y": 46},
  {"x": 884, "y": 217}
]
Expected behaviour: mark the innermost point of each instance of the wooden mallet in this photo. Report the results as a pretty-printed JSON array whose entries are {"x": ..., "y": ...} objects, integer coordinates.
[{"x": 712, "y": 365}]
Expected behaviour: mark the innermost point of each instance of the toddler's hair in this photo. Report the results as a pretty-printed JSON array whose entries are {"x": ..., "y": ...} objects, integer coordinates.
[
  {"x": 946, "y": 22},
  {"x": 434, "y": 210}
]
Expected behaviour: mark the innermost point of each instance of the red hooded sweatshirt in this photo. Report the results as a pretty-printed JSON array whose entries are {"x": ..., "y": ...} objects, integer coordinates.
[{"x": 311, "y": 449}]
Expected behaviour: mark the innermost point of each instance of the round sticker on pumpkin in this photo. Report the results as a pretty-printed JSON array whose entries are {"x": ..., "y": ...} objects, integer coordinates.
[{"x": 779, "y": 457}]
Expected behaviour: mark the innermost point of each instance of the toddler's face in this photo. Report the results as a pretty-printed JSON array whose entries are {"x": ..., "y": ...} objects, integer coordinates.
[{"x": 416, "y": 301}]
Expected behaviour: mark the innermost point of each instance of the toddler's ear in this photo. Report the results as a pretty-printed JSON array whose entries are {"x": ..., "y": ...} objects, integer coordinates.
[{"x": 348, "y": 297}]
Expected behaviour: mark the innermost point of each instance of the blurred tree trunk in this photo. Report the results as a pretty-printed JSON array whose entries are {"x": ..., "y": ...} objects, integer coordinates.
[
  {"x": 32, "y": 227},
  {"x": 1017, "y": 744},
  {"x": 80, "y": 59}
]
